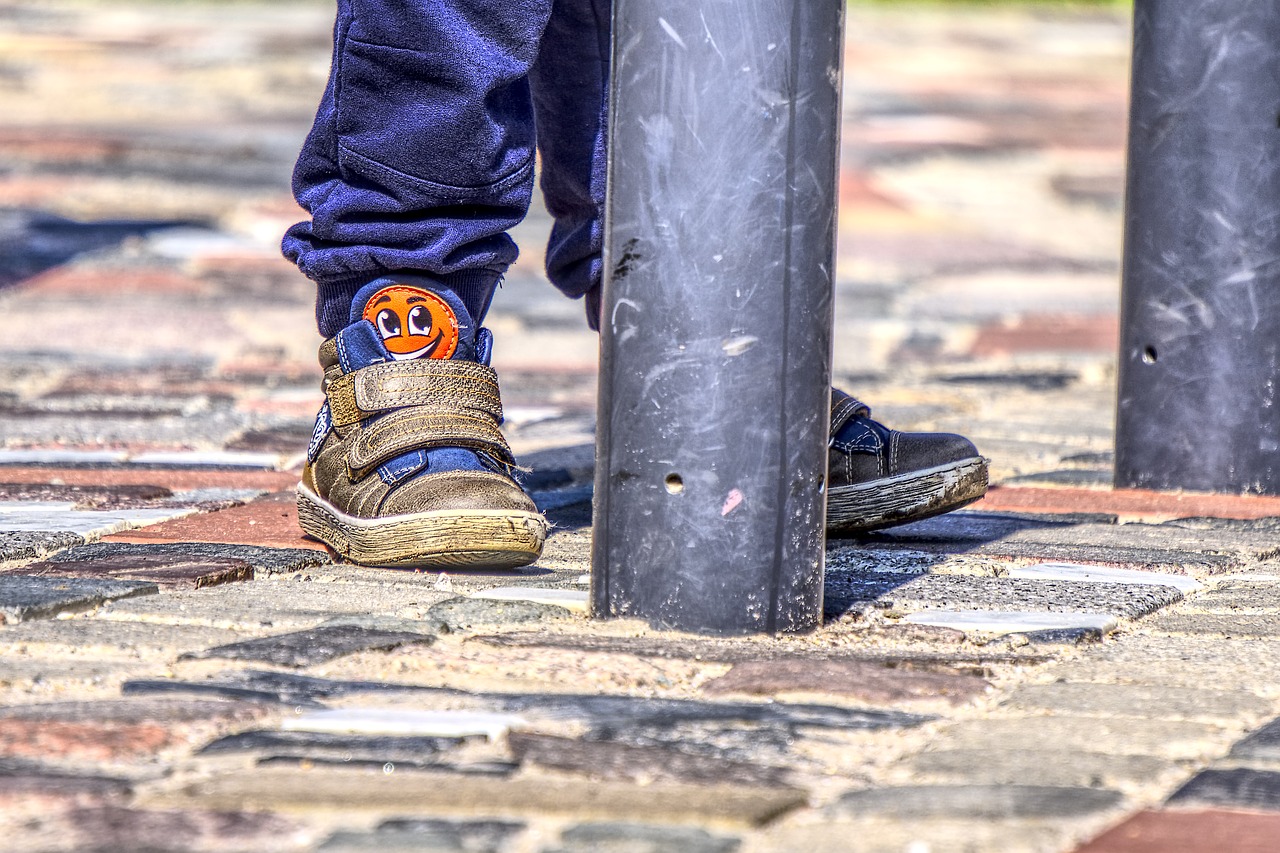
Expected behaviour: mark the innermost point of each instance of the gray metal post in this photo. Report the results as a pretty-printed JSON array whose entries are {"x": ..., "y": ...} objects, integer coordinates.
[
  {"x": 716, "y": 324},
  {"x": 1200, "y": 341}
]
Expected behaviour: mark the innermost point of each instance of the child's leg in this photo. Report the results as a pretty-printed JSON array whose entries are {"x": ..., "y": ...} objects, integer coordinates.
[
  {"x": 570, "y": 96},
  {"x": 420, "y": 159},
  {"x": 421, "y": 155}
]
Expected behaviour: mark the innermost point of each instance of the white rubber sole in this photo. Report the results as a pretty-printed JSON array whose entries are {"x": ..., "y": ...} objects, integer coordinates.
[
  {"x": 443, "y": 539},
  {"x": 905, "y": 498}
]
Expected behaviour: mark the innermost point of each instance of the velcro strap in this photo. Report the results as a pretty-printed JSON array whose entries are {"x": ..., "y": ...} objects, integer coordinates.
[
  {"x": 844, "y": 409},
  {"x": 421, "y": 428},
  {"x": 445, "y": 386}
]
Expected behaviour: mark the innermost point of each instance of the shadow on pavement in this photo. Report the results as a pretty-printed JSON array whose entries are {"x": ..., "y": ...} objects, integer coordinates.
[{"x": 33, "y": 241}]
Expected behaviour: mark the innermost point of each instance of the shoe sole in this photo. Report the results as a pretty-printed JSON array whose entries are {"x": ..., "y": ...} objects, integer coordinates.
[
  {"x": 441, "y": 539},
  {"x": 905, "y": 498}
]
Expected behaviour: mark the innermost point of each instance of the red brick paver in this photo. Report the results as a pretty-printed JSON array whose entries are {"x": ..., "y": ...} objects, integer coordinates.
[
  {"x": 174, "y": 479},
  {"x": 1128, "y": 504},
  {"x": 1191, "y": 832},
  {"x": 270, "y": 522}
]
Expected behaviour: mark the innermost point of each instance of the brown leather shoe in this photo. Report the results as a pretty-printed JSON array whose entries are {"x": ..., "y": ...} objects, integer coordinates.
[
  {"x": 407, "y": 466},
  {"x": 879, "y": 477}
]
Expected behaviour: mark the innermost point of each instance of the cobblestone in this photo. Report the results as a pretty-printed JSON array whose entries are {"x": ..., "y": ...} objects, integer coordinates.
[
  {"x": 438, "y": 836},
  {"x": 1061, "y": 667},
  {"x": 993, "y": 802},
  {"x": 26, "y": 597}
]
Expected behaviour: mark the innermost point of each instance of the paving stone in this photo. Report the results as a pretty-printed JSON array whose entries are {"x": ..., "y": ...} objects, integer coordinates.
[
  {"x": 206, "y": 459},
  {"x": 265, "y": 561},
  {"x": 1007, "y": 622},
  {"x": 270, "y": 521},
  {"x": 150, "y": 687},
  {"x": 1125, "y": 545},
  {"x": 623, "y": 762},
  {"x": 85, "y": 497},
  {"x": 44, "y": 671},
  {"x": 214, "y": 499},
  {"x": 1239, "y": 787},
  {"x": 116, "y": 729},
  {"x": 1143, "y": 701},
  {"x": 35, "y": 517},
  {"x": 175, "y": 479},
  {"x": 440, "y": 794},
  {"x": 289, "y": 438},
  {"x": 1129, "y": 503},
  {"x": 53, "y": 457},
  {"x": 641, "y": 838},
  {"x": 459, "y": 615},
  {"x": 1102, "y": 574},
  {"x": 990, "y": 802},
  {"x": 1267, "y": 522},
  {"x": 277, "y": 604},
  {"x": 428, "y": 764},
  {"x": 979, "y": 662},
  {"x": 885, "y": 834},
  {"x": 1261, "y": 626},
  {"x": 1080, "y": 477},
  {"x": 615, "y": 711},
  {"x": 28, "y": 784},
  {"x": 112, "y": 828},
  {"x": 30, "y": 544},
  {"x": 1048, "y": 333},
  {"x": 140, "y": 642},
  {"x": 601, "y": 712},
  {"x": 573, "y": 600},
  {"x": 1261, "y": 745},
  {"x": 1039, "y": 767},
  {"x": 1239, "y": 596},
  {"x": 1064, "y": 636},
  {"x": 405, "y": 723},
  {"x": 317, "y": 645},
  {"x": 436, "y": 836},
  {"x": 305, "y": 745},
  {"x": 857, "y": 591},
  {"x": 1189, "y": 832},
  {"x": 166, "y": 571},
  {"x": 768, "y": 742},
  {"x": 1174, "y": 660},
  {"x": 23, "y": 597},
  {"x": 864, "y": 680},
  {"x": 1166, "y": 739}
]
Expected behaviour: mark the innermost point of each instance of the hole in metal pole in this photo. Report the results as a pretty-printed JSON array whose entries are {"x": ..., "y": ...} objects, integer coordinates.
[
  {"x": 674, "y": 484},
  {"x": 1149, "y": 355}
]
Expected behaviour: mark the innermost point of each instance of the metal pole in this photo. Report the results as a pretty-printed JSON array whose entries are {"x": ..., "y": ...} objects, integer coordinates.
[
  {"x": 716, "y": 322},
  {"x": 1200, "y": 319}
]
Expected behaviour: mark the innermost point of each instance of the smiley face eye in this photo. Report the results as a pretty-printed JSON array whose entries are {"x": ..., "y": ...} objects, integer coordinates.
[
  {"x": 419, "y": 320},
  {"x": 388, "y": 323}
]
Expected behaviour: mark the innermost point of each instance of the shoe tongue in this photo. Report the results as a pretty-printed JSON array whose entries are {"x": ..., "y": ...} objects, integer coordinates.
[{"x": 401, "y": 320}]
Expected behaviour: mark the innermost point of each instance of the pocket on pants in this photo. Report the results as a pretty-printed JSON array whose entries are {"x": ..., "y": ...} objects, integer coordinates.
[{"x": 433, "y": 128}]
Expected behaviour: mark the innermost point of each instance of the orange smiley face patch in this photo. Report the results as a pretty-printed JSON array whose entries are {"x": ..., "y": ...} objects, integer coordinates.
[{"x": 413, "y": 323}]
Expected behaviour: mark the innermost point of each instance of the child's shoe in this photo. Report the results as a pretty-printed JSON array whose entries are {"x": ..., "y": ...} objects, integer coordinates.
[
  {"x": 407, "y": 466},
  {"x": 879, "y": 477}
]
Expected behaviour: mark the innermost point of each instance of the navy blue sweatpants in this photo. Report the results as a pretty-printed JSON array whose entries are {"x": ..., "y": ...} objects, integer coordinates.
[{"x": 422, "y": 152}]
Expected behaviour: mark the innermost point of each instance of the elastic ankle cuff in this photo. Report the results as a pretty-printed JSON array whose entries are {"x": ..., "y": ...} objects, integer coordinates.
[{"x": 333, "y": 298}]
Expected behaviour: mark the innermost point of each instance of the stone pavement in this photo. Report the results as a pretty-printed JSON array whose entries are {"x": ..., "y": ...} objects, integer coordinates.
[{"x": 1062, "y": 667}]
